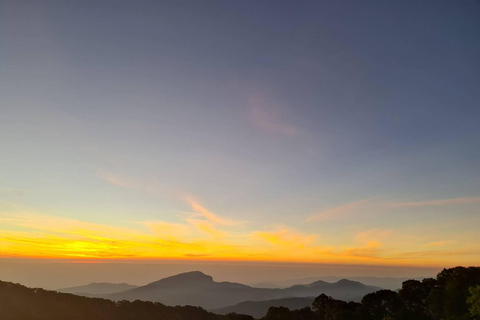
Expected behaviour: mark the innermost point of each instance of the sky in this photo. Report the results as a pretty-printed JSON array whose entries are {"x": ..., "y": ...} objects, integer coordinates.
[{"x": 321, "y": 132}]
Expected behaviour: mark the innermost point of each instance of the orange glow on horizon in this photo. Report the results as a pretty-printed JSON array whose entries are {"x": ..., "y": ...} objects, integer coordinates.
[{"x": 35, "y": 236}]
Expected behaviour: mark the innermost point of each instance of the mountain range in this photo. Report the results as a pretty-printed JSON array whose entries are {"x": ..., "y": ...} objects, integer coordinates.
[
  {"x": 198, "y": 289},
  {"x": 392, "y": 283}
]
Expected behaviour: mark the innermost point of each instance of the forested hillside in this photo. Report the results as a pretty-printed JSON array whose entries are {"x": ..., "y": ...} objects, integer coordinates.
[
  {"x": 18, "y": 302},
  {"x": 453, "y": 295}
]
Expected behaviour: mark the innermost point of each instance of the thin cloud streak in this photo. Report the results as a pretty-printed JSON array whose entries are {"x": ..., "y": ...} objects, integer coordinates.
[
  {"x": 206, "y": 227},
  {"x": 439, "y": 202},
  {"x": 336, "y": 212},
  {"x": 469, "y": 251},
  {"x": 170, "y": 230},
  {"x": 284, "y": 237},
  {"x": 376, "y": 234},
  {"x": 117, "y": 180},
  {"x": 370, "y": 250},
  {"x": 437, "y": 244},
  {"x": 266, "y": 116},
  {"x": 154, "y": 188},
  {"x": 150, "y": 187},
  {"x": 203, "y": 212}
]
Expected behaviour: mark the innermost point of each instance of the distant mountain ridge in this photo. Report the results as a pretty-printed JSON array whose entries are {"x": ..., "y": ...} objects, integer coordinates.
[
  {"x": 97, "y": 288},
  {"x": 198, "y": 289},
  {"x": 258, "y": 309},
  {"x": 188, "y": 278},
  {"x": 391, "y": 283}
]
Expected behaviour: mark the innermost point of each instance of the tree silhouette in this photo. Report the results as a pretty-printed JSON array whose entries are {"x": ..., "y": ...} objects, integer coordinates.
[
  {"x": 278, "y": 313},
  {"x": 381, "y": 304},
  {"x": 474, "y": 301}
]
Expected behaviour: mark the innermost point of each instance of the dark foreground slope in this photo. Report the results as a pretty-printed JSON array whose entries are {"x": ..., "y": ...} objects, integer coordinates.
[
  {"x": 198, "y": 289},
  {"x": 21, "y": 303}
]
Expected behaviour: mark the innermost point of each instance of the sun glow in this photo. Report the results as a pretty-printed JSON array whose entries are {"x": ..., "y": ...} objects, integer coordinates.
[{"x": 29, "y": 235}]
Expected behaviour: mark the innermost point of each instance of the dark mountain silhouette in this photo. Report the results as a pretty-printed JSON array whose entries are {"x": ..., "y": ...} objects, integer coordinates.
[
  {"x": 198, "y": 289},
  {"x": 187, "y": 278},
  {"x": 96, "y": 288},
  {"x": 18, "y": 302},
  {"x": 453, "y": 294},
  {"x": 343, "y": 289},
  {"x": 391, "y": 283},
  {"x": 258, "y": 309}
]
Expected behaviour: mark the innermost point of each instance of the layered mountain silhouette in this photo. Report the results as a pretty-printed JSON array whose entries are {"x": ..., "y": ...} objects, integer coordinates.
[
  {"x": 18, "y": 302},
  {"x": 259, "y": 309},
  {"x": 198, "y": 289},
  {"x": 391, "y": 283},
  {"x": 96, "y": 288}
]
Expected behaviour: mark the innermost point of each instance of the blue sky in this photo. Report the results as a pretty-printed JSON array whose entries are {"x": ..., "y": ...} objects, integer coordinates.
[{"x": 262, "y": 113}]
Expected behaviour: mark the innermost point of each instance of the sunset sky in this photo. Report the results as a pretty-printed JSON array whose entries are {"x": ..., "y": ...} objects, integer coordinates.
[{"x": 343, "y": 132}]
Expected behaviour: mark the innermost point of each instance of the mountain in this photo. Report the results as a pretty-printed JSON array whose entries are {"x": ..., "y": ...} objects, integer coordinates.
[
  {"x": 197, "y": 289},
  {"x": 258, "y": 309},
  {"x": 95, "y": 288},
  {"x": 18, "y": 302},
  {"x": 391, "y": 283},
  {"x": 193, "y": 288},
  {"x": 343, "y": 290}
]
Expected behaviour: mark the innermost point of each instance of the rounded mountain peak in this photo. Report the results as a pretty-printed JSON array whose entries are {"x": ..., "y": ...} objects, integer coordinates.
[
  {"x": 182, "y": 279},
  {"x": 346, "y": 282}
]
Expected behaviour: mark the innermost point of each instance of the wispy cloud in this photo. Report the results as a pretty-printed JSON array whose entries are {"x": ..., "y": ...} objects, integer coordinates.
[
  {"x": 370, "y": 250},
  {"x": 376, "y": 234},
  {"x": 153, "y": 188},
  {"x": 168, "y": 230},
  {"x": 206, "y": 221},
  {"x": 439, "y": 202},
  {"x": 206, "y": 227},
  {"x": 438, "y": 244},
  {"x": 117, "y": 180},
  {"x": 265, "y": 114},
  {"x": 284, "y": 237},
  {"x": 369, "y": 244},
  {"x": 148, "y": 186},
  {"x": 203, "y": 212},
  {"x": 338, "y": 211},
  {"x": 440, "y": 254}
]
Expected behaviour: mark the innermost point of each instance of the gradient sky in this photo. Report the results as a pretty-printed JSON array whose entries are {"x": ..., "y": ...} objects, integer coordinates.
[{"x": 315, "y": 131}]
